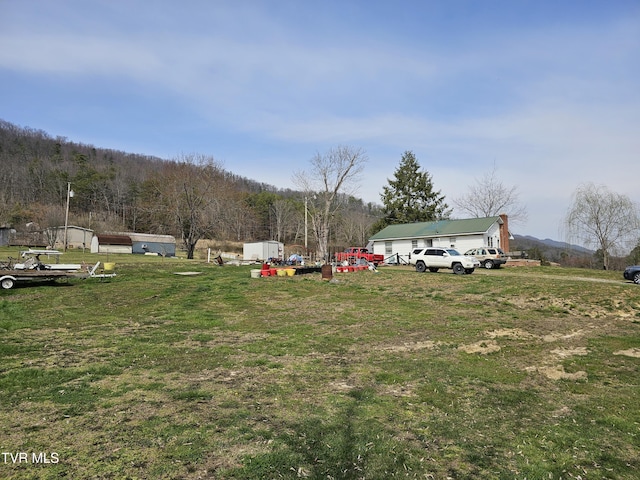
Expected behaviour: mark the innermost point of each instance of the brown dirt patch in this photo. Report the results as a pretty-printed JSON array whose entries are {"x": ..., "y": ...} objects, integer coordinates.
[
  {"x": 513, "y": 333},
  {"x": 410, "y": 347},
  {"x": 554, "y": 337},
  {"x": 483, "y": 347},
  {"x": 569, "y": 352},
  {"x": 632, "y": 352},
  {"x": 557, "y": 372}
]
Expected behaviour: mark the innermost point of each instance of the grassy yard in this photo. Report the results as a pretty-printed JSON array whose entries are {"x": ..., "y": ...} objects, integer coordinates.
[{"x": 503, "y": 374}]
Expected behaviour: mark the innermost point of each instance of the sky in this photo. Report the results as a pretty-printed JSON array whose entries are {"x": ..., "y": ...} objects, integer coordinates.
[{"x": 547, "y": 93}]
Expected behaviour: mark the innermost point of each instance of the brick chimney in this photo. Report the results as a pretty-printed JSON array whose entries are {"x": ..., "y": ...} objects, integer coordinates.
[{"x": 504, "y": 233}]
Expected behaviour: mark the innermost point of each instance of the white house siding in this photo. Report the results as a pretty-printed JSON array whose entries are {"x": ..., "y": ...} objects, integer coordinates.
[
  {"x": 492, "y": 237},
  {"x": 400, "y": 247},
  {"x": 403, "y": 246},
  {"x": 463, "y": 234}
]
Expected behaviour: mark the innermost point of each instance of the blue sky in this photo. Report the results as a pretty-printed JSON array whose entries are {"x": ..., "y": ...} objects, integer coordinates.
[{"x": 547, "y": 91}]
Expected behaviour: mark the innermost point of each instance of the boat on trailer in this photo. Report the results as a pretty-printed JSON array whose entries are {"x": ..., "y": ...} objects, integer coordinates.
[
  {"x": 9, "y": 278},
  {"x": 32, "y": 269},
  {"x": 33, "y": 261}
]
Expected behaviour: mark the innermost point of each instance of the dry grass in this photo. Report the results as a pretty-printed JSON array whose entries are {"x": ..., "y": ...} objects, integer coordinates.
[{"x": 527, "y": 373}]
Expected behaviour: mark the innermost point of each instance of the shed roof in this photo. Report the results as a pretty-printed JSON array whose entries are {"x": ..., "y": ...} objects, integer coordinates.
[
  {"x": 438, "y": 228},
  {"x": 114, "y": 240},
  {"x": 151, "y": 237}
]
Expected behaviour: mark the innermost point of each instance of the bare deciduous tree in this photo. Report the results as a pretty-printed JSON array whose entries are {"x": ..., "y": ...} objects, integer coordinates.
[
  {"x": 5, "y": 206},
  {"x": 49, "y": 218},
  {"x": 236, "y": 218},
  {"x": 186, "y": 189},
  {"x": 332, "y": 177},
  {"x": 284, "y": 213},
  {"x": 489, "y": 197},
  {"x": 354, "y": 228},
  {"x": 602, "y": 218}
]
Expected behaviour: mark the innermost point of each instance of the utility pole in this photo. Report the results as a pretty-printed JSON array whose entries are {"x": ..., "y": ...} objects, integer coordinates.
[
  {"x": 305, "y": 225},
  {"x": 66, "y": 216}
]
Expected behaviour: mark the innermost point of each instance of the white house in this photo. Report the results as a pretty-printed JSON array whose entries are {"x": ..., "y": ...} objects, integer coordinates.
[{"x": 400, "y": 240}]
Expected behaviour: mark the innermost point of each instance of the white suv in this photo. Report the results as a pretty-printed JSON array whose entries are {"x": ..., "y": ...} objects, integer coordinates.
[{"x": 434, "y": 258}]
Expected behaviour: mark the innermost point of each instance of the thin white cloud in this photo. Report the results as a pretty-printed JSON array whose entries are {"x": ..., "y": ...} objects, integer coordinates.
[
  {"x": 77, "y": 55},
  {"x": 553, "y": 105}
]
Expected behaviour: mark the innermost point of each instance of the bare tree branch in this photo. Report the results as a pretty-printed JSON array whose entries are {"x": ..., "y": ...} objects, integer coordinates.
[
  {"x": 602, "y": 218},
  {"x": 489, "y": 197},
  {"x": 332, "y": 176}
]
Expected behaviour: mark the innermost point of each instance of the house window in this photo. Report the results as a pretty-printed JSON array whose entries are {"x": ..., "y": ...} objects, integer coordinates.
[
  {"x": 490, "y": 242},
  {"x": 388, "y": 248},
  {"x": 428, "y": 242},
  {"x": 452, "y": 242},
  {"x": 414, "y": 244}
]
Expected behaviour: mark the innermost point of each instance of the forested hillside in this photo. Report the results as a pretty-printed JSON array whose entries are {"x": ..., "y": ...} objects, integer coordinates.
[{"x": 119, "y": 191}]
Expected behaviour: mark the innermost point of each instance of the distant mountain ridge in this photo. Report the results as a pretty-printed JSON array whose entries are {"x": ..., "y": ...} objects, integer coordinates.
[
  {"x": 553, "y": 250},
  {"x": 555, "y": 244}
]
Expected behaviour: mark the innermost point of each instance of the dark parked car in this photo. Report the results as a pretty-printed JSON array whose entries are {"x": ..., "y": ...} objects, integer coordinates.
[{"x": 632, "y": 273}]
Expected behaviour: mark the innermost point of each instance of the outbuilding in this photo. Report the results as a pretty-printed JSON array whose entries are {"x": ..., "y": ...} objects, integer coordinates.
[
  {"x": 263, "y": 251},
  {"x": 77, "y": 237},
  {"x": 397, "y": 241},
  {"x": 146, "y": 243},
  {"x": 111, "y": 244},
  {"x": 4, "y": 236}
]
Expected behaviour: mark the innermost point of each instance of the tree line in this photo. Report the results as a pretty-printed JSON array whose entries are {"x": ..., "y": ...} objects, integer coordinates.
[{"x": 191, "y": 197}]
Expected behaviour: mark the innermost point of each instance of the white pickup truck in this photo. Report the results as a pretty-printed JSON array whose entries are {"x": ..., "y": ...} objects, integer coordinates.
[{"x": 434, "y": 258}]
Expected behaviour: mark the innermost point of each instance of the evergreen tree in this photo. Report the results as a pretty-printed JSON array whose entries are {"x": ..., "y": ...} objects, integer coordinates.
[
  {"x": 634, "y": 256},
  {"x": 410, "y": 196}
]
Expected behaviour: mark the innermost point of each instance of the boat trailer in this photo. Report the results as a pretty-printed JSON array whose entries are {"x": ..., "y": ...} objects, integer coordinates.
[{"x": 34, "y": 270}]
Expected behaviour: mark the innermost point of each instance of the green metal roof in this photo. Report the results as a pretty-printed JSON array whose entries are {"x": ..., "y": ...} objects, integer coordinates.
[{"x": 436, "y": 229}]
